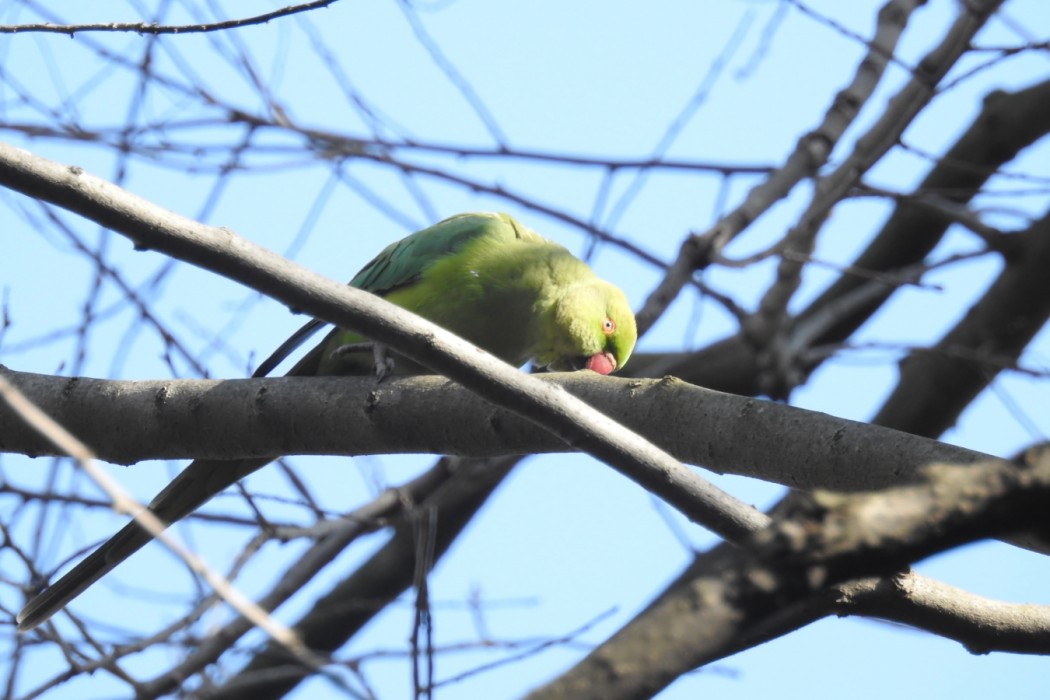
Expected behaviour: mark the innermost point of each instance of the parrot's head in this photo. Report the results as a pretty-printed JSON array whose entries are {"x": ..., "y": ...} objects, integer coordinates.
[{"x": 590, "y": 326}]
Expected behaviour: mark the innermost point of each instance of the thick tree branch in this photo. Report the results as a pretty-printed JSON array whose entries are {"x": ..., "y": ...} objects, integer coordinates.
[
  {"x": 128, "y": 421},
  {"x": 1000, "y": 324},
  {"x": 728, "y": 592}
]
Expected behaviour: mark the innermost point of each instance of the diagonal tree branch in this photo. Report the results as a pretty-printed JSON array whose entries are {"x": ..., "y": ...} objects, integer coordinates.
[
  {"x": 810, "y": 154},
  {"x": 339, "y": 614},
  {"x": 1008, "y": 123},
  {"x": 943, "y": 376},
  {"x": 769, "y": 326},
  {"x": 728, "y": 593}
]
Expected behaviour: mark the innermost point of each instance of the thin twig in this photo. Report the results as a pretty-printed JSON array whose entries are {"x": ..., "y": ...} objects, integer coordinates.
[{"x": 149, "y": 28}]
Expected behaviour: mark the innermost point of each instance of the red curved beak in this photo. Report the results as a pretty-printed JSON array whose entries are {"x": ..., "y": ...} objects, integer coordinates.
[{"x": 602, "y": 362}]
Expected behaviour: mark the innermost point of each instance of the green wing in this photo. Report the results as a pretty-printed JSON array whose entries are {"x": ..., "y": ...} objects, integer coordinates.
[{"x": 403, "y": 262}]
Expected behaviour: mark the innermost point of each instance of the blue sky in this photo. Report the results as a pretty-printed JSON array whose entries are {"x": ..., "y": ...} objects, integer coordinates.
[{"x": 566, "y": 539}]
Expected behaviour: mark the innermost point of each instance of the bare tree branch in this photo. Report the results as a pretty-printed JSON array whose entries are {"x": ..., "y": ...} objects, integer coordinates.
[
  {"x": 455, "y": 487},
  {"x": 1008, "y": 123},
  {"x": 767, "y": 328},
  {"x": 339, "y": 614},
  {"x": 718, "y": 601},
  {"x": 810, "y": 154},
  {"x": 980, "y": 624},
  {"x": 147, "y": 28},
  {"x": 943, "y": 375},
  {"x": 246, "y": 418},
  {"x": 66, "y": 443}
]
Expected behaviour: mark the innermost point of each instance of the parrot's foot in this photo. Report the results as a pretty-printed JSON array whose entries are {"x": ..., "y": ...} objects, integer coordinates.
[
  {"x": 383, "y": 361},
  {"x": 351, "y": 348}
]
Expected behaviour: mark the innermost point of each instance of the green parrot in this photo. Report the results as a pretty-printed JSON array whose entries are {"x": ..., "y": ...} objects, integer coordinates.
[{"x": 483, "y": 276}]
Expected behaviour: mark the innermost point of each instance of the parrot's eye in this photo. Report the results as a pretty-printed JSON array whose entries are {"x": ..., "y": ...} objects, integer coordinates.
[{"x": 608, "y": 326}]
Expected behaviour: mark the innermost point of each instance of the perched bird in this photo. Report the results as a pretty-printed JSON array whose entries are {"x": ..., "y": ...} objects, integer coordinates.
[{"x": 483, "y": 276}]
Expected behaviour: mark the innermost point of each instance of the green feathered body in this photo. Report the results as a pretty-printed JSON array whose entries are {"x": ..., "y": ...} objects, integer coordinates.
[{"x": 494, "y": 282}]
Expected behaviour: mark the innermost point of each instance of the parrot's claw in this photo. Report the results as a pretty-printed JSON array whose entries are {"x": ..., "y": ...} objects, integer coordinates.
[{"x": 383, "y": 361}]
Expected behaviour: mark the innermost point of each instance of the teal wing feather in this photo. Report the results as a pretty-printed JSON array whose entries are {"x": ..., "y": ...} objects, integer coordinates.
[{"x": 405, "y": 261}]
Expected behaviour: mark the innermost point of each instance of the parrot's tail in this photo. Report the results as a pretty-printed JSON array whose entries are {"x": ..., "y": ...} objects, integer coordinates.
[
  {"x": 99, "y": 563},
  {"x": 187, "y": 492}
]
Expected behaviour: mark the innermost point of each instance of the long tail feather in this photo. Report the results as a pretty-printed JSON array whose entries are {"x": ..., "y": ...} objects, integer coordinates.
[{"x": 193, "y": 487}]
